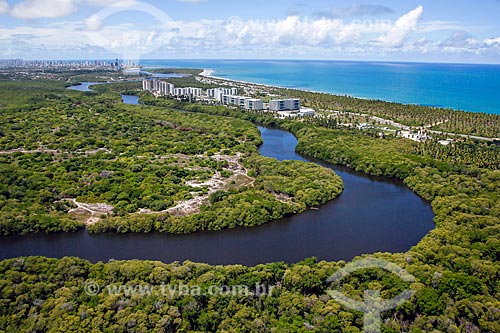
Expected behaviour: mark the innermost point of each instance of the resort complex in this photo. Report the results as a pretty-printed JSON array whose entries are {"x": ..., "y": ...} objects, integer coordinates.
[{"x": 228, "y": 96}]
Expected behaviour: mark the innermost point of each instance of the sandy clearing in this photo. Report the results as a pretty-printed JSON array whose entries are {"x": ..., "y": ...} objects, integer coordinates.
[{"x": 95, "y": 210}]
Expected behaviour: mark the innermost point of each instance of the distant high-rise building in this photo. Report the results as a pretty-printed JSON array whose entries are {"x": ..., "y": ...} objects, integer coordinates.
[
  {"x": 166, "y": 88},
  {"x": 163, "y": 88},
  {"x": 188, "y": 91},
  {"x": 156, "y": 85},
  {"x": 147, "y": 85},
  {"x": 217, "y": 93}
]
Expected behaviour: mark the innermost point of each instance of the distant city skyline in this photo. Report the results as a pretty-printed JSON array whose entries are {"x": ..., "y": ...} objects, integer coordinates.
[{"x": 391, "y": 30}]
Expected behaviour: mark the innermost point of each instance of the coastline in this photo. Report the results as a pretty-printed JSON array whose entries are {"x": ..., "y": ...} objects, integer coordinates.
[
  {"x": 208, "y": 73},
  {"x": 431, "y": 85}
]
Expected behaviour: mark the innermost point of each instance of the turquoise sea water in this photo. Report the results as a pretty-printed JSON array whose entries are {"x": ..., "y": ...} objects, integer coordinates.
[{"x": 466, "y": 87}]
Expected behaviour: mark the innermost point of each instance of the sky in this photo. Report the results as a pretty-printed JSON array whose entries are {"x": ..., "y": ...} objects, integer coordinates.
[{"x": 461, "y": 31}]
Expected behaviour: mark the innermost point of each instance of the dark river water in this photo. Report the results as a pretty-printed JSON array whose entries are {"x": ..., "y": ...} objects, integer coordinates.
[{"x": 371, "y": 215}]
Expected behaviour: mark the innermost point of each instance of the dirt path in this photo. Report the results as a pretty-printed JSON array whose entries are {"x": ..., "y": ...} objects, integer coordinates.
[
  {"x": 23, "y": 151},
  {"x": 53, "y": 151},
  {"x": 216, "y": 183},
  {"x": 95, "y": 210}
]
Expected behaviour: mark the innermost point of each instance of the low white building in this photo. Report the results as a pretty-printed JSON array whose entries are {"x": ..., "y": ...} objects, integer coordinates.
[
  {"x": 446, "y": 142},
  {"x": 303, "y": 112},
  {"x": 364, "y": 126},
  {"x": 417, "y": 136},
  {"x": 307, "y": 112}
]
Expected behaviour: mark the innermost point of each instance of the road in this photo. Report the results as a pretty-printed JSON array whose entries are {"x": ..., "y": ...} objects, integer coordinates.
[{"x": 406, "y": 128}]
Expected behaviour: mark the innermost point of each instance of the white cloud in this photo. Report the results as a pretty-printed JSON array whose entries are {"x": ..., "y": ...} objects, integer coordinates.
[
  {"x": 93, "y": 23},
  {"x": 4, "y": 6},
  {"x": 458, "y": 44},
  {"x": 290, "y": 37},
  {"x": 33, "y": 9},
  {"x": 356, "y": 10},
  {"x": 431, "y": 26},
  {"x": 205, "y": 35},
  {"x": 461, "y": 39},
  {"x": 116, "y": 3},
  {"x": 403, "y": 26},
  {"x": 322, "y": 32},
  {"x": 492, "y": 41}
]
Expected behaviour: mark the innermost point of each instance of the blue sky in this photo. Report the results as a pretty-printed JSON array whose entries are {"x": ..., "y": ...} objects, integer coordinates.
[{"x": 391, "y": 30}]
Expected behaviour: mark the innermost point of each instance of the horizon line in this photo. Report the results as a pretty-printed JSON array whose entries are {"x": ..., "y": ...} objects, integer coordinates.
[{"x": 265, "y": 59}]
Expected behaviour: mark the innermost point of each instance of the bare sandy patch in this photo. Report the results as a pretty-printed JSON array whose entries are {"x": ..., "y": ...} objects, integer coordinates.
[
  {"x": 92, "y": 210},
  {"x": 239, "y": 177}
]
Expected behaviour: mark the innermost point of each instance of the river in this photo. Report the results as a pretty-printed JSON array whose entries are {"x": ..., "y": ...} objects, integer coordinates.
[
  {"x": 85, "y": 86},
  {"x": 373, "y": 214}
]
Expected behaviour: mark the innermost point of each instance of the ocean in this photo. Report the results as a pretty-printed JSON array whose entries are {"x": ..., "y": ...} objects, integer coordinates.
[{"x": 468, "y": 87}]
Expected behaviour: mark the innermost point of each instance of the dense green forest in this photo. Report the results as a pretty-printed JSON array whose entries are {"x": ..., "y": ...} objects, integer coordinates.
[
  {"x": 92, "y": 149},
  {"x": 479, "y": 154},
  {"x": 466, "y": 201},
  {"x": 129, "y": 88},
  {"x": 27, "y": 94},
  {"x": 464, "y": 152},
  {"x": 187, "y": 71},
  {"x": 280, "y": 189},
  {"x": 456, "y": 265}
]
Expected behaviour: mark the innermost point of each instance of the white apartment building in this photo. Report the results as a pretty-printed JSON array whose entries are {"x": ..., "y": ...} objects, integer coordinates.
[
  {"x": 163, "y": 88},
  {"x": 234, "y": 100},
  {"x": 147, "y": 85},
  {"x": 243, "y": 102},
  {"x": 284, "y": 104},
  {"x": 160, "y": 87},
  {"x": 196, "y": 91},
  {"x": 166, "y": 88},
  {"x": 156, "y": 85},
  {"x": 217, "y": 93},
  {"x": 187, "y": 91},
  {"x": 254, "y": 104}
]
